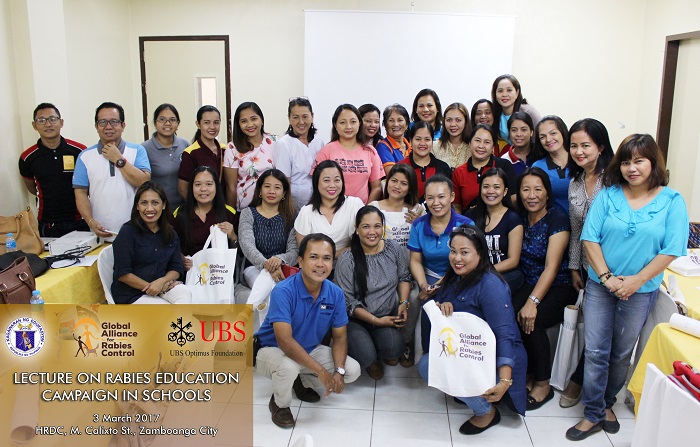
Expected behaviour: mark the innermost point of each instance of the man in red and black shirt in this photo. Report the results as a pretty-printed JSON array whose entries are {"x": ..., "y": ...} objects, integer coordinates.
[{"x": 47, "y": 170}]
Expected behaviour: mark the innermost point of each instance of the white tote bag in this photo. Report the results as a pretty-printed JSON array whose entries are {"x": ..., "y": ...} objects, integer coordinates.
[
  {"x": 569, "y": 345},
  {"x": 212, "y": 274},
  {"x": 462, "y": 353}
]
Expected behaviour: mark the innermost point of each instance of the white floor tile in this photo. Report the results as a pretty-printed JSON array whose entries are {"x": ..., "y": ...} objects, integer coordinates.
[
  {"x": 623, "y": 438},
  {"x": 550, "y": 431},
  {"x": 400, "y": 371},
  {"x": 407, "y": 429},
  {"x": 398, "y": 394},
  {"x": 511, "y": 432},
  {"x": 334, "y": 427},
  {"x": 265, "y": 432},
  {"x": 358, "y": 395}
]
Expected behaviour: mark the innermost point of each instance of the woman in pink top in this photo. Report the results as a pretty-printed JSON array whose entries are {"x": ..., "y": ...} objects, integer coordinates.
[
  {"x": 248, "y": 155},
  {"x": 362, "y": 167}
]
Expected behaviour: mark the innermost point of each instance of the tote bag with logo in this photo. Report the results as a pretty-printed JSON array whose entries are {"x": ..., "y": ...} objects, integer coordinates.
[{"x": 212, "y": 274}]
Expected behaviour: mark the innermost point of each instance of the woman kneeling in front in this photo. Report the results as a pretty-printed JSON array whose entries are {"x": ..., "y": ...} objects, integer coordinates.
[
  {"x": 472, "y": 285},
  {"x": 147, "y": 262}
]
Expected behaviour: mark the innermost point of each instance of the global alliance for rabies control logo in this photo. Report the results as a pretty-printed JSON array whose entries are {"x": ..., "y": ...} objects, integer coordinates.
[{"x": 25, "y": 337}]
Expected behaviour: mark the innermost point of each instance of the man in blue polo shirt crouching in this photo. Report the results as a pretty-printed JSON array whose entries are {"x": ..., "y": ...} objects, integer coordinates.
[{"x": 302, "y": 309}]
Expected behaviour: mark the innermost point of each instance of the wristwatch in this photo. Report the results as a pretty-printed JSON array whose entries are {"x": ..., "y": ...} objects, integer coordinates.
[
  {"x": 535, "y": 300},
  {"x": 120, "y": 163},
  {"x": 340, "y": 370}
]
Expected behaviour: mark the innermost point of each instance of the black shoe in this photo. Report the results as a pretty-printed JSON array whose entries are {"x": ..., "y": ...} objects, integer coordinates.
[
  {"x": 282, "y": 417},
  {"x": 574, "y": 434},
  {"x": 470, "y": 429},
  {"x": 408, "y": 358},
  {"x": 611, "y": 427},
  {"x": 533, "y": 404},
  {"x": 305, "y": 394}
]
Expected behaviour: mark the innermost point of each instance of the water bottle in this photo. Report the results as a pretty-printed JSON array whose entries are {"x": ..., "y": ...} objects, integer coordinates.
[
  {"x": 36, "y": 302},
  {"x": 10, "y": 243}
]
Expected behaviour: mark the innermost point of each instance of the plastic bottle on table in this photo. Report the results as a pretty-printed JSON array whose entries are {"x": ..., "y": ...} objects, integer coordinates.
[
  {"x": 10, "y": 243},
  {"x": 36, "y": 303}
]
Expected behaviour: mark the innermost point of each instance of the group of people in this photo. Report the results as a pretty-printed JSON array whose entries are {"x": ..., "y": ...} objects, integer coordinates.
[{"x": 501, "y": 213}]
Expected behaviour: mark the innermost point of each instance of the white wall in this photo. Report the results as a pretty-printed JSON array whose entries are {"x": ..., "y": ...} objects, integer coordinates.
[
  {"x": 13, "y": 191},
  {"x": 574, "y": 58}
]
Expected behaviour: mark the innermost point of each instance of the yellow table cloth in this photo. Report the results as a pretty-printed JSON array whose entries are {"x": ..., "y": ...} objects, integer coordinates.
[
  {"x": 665, "y": 346},
  {"x": 689, "y": 285},
  {"x": 72, "y": 285}
]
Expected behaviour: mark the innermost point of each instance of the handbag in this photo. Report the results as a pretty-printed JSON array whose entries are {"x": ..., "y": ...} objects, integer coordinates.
[
  {"x": 38, "y": 265},
  {"x": 211, "y": 277},
  {"x": 569, "y": 345},
  {"x": 17, "y": 283},
  {"x": 25, "y": 230}
]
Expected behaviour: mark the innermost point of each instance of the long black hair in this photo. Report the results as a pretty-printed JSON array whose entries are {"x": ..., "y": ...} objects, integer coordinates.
[
  {"x": 164, "y": 227},
  {"x": 546, "y": 182},
  {"x": 476, "y": 236},
  {"x": 358, "y": 254},
  {"x": 240, "y": 139},
  {"x": 316, "y": 200},
  {"x": 480, "y": 212},
  {"x": 184, "y": 216}
]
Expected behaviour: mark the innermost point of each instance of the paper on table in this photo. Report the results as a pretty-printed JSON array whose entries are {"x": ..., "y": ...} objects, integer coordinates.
[
  {"x": 685, "y": 324},
  {"x": 87, "y": 261}
]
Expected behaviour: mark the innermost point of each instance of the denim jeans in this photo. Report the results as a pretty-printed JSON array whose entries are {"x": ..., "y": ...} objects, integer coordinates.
[
  {"x": 478, "y": 404},
  {"x": 612, "y": 327},
  {"x": 368, "y": 343}
]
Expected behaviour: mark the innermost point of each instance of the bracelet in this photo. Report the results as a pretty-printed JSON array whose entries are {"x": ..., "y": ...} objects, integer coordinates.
[
  {"x": 90, "y": 221},
  {"x": 406, "y": 303},
  {"x": 535, "y": 300},
  {"x": 508, "y": 381},
  {"x": 608, "y": 274},
  {"x": 607, "y": 277}
]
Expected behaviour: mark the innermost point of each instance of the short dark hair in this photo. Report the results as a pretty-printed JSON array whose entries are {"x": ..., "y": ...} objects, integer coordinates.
[
  {"x": 599, "y": 134},
  {"x": 315, "y": 201},
  {"x": 417, "y": 125},
  {"x": 489, "y": 129},
  {"x": 165, "y": 106},
  {"x": 300, "y": 102},
  {"x": 411, "y": 198},
  {"x": 45, "y": 105},
  {"x": 360, "y": 137},
  {"x": 394, "y": 108},
  {"x": 439, "y": 178},
  {"x": 315, "y": 237},
  {"x": 438, "y": 106},
  {"x": 639, "y": 145},
  {"x": 110, "y": 105},
  {"x": 537, "y": 172}
]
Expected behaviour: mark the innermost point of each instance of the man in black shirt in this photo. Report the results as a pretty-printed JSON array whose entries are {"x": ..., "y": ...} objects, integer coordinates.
[{"x": 47, "y": 170}]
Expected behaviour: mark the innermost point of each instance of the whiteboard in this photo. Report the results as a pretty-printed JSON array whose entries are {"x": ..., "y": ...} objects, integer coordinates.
[{"x": 382, "y": 58}]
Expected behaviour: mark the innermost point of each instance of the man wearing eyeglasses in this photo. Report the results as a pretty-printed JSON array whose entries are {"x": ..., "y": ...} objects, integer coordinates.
[
  {"x": 108, "y": 173},
  {"x": 47, "y": 170}
]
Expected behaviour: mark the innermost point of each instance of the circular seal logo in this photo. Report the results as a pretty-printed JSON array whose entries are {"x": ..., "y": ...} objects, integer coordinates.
[{"x": 25, "y": 337}]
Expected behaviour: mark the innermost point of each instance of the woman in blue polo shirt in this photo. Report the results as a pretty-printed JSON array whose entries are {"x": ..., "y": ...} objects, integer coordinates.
[
  {"x": 429, "y": 241},
  {"x": 552, "y": 139}
]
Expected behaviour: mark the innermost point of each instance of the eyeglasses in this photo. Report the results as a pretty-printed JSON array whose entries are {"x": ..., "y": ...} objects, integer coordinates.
[
  {"x": 103, "y": 123},
  {"x": 298, "y": 98},
  {"x": 163, "y": 120},
  {"x": 51, "y": 120}
]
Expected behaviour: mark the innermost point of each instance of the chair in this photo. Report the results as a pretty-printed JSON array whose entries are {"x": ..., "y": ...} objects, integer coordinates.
[{"x": 105, "y": 267}]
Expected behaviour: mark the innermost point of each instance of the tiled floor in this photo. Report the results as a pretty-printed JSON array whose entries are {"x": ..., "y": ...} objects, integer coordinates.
[{"x": 400, "y": 410}]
